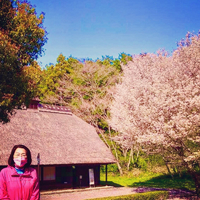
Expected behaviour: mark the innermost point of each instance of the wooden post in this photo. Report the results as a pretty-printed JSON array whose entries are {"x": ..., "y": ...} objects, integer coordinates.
[
  {"x": 38, "y": 167},
  {"x": 106, "y": 175}
]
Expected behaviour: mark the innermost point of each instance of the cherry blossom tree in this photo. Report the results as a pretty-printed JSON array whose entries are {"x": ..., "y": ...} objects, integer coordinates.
[{"x": 157, "y": 105}]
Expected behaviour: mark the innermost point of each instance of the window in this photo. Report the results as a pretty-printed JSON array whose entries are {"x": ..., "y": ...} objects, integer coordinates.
[{"x": 49, "y": 173}]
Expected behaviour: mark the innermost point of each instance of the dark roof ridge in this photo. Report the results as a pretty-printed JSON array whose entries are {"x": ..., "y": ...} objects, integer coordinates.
[{"x": 54, "y": 109}]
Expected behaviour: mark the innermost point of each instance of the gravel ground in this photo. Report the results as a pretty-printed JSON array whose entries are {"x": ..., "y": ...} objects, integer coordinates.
[{"x": 89, "y": 193}]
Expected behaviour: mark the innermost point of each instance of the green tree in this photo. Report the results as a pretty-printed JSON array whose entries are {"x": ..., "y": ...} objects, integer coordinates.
[
  {"x": 22, "y": 37},
  {"x": 125, "y": 58},
  {"x": 6, "y": 14},
  {"x": 82, "y": 87},
  {"x": 34, "y": 75}
]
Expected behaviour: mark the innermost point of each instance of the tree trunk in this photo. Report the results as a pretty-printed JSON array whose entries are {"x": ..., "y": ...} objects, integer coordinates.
[
  {"x": 138, "y": 151},
  {"x": 168, "y": 168},
  {"x": 116, "y": 155},
  {"x": 117, "y": 158},
  {"x": 130, "y": 158},
  {"x": 104, "y": 139},
  {"x": 196, "y": 178}
]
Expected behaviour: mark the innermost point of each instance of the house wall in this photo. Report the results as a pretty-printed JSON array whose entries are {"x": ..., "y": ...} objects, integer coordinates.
[
  {"x": 82, "y": 175},
  {"x": 52, "y": 177}
]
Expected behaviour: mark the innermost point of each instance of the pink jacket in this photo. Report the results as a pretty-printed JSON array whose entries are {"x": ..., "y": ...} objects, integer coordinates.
[{"x": 14, "y": 186}]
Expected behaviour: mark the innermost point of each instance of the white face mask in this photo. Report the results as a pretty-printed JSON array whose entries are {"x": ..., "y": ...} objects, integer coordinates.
[{"x": 20, "y": 162}]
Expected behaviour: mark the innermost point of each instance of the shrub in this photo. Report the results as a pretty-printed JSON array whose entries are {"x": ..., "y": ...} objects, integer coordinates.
[
  {"x": 141, "y": 163},
  {"x": 110, "y": 168},
  {"x": 155, "y": 195}
]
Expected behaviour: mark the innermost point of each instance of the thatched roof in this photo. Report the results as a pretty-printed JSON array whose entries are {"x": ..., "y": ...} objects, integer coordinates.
[{"x": 59, "y": 137}]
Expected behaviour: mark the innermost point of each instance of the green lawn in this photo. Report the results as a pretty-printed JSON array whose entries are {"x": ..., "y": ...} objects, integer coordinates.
[{"x": 150, "y": 180}]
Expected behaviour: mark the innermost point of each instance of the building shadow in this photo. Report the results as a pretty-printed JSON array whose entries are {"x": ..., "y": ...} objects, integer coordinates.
[{"x": 110, "y": 183}]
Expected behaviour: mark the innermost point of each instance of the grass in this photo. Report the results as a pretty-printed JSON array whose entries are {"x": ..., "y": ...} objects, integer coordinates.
[{"x": 155, "y": 180}]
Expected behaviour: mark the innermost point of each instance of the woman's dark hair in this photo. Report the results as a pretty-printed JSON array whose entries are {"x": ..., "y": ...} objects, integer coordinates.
[{"x": 28, "y": 153}]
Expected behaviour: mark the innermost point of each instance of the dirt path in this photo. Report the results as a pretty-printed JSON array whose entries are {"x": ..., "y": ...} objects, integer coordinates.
[{"x": 90, "y": 193}]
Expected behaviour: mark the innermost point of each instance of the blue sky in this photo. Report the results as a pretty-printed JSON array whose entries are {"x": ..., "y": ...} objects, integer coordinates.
[{"x": 95, "y": 28}]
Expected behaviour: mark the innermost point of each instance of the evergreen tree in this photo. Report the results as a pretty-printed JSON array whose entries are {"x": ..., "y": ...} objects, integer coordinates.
[{"x": 21, "y": 39}]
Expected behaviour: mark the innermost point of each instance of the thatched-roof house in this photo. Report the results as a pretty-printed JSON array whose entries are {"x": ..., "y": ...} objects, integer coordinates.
[{"x": 70, "y": 149}]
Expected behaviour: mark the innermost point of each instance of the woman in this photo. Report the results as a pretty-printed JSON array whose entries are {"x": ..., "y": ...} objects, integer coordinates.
[{"x": 19, "y": 180}]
